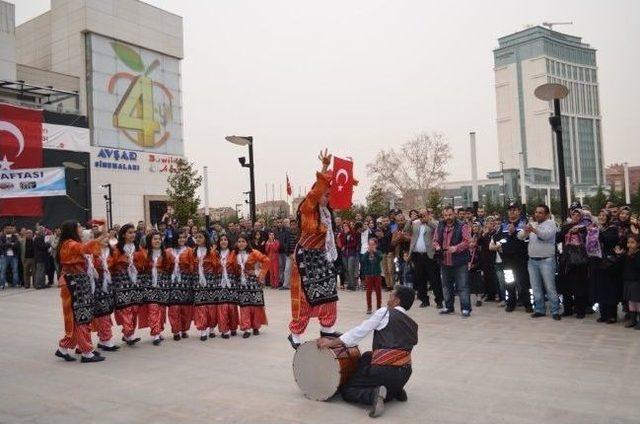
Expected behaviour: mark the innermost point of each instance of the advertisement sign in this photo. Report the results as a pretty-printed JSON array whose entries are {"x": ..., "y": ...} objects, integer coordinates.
[
  {"x": 32, "y": 182},
  {"x": 64, "y": 137},
  {"x": 116, "y": 159},
  {"x": 135, "y": 95},
  {"x": 161, "y": 164}
]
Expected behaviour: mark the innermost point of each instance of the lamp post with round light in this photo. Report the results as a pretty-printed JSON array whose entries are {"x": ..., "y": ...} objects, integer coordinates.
[
  {"x": 247, "y": 141},
  {"x": 555, "y": 92}
]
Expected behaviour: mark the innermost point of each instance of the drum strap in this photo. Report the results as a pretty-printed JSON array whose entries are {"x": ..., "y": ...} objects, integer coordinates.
[{"x": 391, "y": 357}]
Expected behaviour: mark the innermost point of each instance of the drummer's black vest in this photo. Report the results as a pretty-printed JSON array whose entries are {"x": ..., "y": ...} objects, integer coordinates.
[{"x": 400, "y": 333}]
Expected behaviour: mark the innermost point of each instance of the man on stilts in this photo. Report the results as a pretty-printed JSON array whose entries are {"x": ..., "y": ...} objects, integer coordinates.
[{"x": 313, "y": 277}]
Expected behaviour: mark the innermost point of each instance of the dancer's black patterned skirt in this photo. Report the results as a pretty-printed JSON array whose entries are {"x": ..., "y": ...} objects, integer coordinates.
[
  {"x": 318, "y": 276},
  {"x": 250, "y": 293},
  {"x": 127, "y": 293},
  {"x": 104, "y": 301},
  {"x": 81, "y": 297}
]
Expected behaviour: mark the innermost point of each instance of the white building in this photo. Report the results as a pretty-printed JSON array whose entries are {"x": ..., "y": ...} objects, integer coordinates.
[
  {"x": 120, "y": 62},
  {"x": 523, "y": 61}
]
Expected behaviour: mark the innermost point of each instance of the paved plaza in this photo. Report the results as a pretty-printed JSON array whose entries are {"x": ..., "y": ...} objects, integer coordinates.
[{"x": 492, "y": 368}]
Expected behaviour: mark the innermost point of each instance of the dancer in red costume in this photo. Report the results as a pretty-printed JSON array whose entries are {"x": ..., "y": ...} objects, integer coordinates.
[
  {"x": 76, "y": 293},
  {"x": 156, "y": 273},
  {"x": 227, "y": 308},
  {"x": 313, "y": 277},
  {"x": 251, "y": 268},
  {"x": 127, "y": 259},
  {"x": 181, "y": 308},
  {"x": 98, "y": 271},
  {"x": 204, "y": 286}
]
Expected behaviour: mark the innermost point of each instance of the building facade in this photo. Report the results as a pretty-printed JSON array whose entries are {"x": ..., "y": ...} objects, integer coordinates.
[
  {"x": 614, "y": 175},
  {"x": 115, "y": 63},
  {"x": 525, "y": 60}
]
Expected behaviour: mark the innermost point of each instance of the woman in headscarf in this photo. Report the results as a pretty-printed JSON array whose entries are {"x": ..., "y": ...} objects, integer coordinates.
[{"x": 604, "y": 269}]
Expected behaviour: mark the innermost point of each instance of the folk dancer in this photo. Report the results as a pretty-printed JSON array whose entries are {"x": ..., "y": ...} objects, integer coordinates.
[
  {"x": 76, "y": 293},
  {"x": 181, "y": 307},
  {"x": 124, "y": 277},
  {"x": 313, "y": 279},
  {"x": 252, "y": 267},
  {"x": 227, "y": 309}
]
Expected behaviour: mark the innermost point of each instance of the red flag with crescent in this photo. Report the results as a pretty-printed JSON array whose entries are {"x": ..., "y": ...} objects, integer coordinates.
[
  {"x": 20, "y": 147},
  {"x": 342, "y": 185},
  {"x": 289, "y": 188}
]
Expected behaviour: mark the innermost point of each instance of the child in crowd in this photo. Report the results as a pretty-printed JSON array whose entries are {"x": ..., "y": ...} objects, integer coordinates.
[
  {"x": 631, "y": 278},
  {"x": 406, "y": 270},
  {"x": 476, "y": 282},
  {"x": 371, "y": 272}
]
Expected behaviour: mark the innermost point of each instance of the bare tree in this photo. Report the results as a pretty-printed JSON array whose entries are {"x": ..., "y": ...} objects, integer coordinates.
[{"x": 416, "y": 168}]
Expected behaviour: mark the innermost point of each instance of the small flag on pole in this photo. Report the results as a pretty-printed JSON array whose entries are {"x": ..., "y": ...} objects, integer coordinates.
[{"x": 289, "y": 189}]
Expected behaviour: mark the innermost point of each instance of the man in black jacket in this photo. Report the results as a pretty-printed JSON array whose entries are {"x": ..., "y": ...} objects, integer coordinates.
[
  {"x": 41, "y": 256},
  {"x": 9, "y": 256},
  {"x": 513, "y": 253}
]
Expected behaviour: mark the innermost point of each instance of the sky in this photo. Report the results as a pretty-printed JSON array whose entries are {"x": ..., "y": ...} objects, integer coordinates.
[{"x": 359, "y": 76}]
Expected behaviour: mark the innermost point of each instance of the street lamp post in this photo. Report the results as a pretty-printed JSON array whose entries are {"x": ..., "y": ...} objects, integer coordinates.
[
  {"x": 247, "y": 141},
  {"x": 109, "y": 201},
  {"x": 555, "y": 92}
]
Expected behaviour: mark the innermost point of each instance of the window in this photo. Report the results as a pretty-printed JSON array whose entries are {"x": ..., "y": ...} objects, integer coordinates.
[
  {"x": 548, "y": 65},
  {"x": 594, "y": 78},
  {"x": 587, "y": 150},
  {"x": 588, "y": 75}
]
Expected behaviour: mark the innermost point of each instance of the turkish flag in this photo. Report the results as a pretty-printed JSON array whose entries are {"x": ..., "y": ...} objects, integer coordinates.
[
  {"x": 289, "y": 189},
  {"x": 342, "y": 185},
  {"x": 20, "y": 147}
]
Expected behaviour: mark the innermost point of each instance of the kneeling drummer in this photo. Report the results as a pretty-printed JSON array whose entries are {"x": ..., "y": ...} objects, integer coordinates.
[{"x": 383, "y": 372}]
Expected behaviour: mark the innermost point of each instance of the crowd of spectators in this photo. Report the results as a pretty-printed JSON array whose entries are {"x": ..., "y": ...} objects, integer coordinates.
[{"x": 590, "y": 263}]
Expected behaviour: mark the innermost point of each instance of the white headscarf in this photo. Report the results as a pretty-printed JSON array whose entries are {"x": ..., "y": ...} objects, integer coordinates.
[
  {"x": 329, "y": 241},
  {"x": 224, "y": 255},
  {"x": 106, "y": 274},
  {"x": 155, "y": 256},
  {"x": 129, "y": 249},
  {"x": 91, "y": 272},
  {"x": 201, "y": 252},
  {"x": 177, "y": 276},
  {"x": 242, "y": 261}
]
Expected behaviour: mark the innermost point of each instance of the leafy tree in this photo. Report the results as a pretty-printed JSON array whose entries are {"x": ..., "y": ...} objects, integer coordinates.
[
  {"x": 635, "y": 201},
  {"x": 434, "y": 201},
  {"x": 418, "y": 166},
  {"x": 377, "y": 201},
  {"x": 597, "y": 201},
  {"x": 183, "y": 184}
]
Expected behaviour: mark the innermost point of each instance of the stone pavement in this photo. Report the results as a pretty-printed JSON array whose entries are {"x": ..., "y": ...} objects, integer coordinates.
[{"x": 492, "y": 368}]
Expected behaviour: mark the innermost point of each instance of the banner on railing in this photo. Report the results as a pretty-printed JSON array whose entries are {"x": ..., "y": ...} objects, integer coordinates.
[{"x": 32, "y": 182}]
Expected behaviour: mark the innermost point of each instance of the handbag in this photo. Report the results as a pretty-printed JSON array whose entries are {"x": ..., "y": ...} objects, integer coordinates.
[{"x": 575, "y": 256}]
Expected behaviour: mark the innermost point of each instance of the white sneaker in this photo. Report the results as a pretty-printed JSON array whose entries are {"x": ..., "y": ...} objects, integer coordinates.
[{"x": 501, "y": 304}]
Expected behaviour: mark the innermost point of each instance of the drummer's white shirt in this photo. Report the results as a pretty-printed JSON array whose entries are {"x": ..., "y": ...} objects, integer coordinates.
[{"x": 378, "y": 321}]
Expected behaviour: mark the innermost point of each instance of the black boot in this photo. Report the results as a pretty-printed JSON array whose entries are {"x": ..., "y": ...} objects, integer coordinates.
[{"x": 633, "y": 320}]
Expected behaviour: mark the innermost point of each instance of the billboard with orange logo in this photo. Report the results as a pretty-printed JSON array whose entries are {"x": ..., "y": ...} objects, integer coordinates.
[{"x": 134, "y": 96}]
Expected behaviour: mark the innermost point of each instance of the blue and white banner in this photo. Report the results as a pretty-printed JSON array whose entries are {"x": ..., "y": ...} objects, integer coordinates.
[{"x": 33, "y": 182}]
